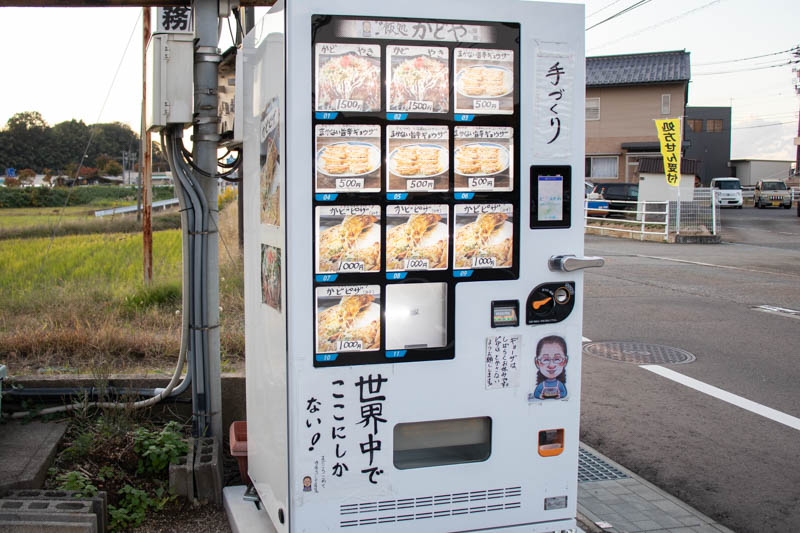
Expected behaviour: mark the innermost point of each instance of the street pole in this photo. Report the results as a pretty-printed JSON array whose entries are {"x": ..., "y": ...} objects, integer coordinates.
[
  {"x": 205, "y": 139},
  {"x": 147, "y": 174}
]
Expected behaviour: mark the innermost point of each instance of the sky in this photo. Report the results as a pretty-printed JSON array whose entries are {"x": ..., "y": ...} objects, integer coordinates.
[{"x": 85, "y": 63}]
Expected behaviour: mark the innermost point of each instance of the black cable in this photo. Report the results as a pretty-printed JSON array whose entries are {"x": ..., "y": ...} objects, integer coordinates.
[
  {"x": 631, "y": 7},
  {"x": 188, "y": 158}
]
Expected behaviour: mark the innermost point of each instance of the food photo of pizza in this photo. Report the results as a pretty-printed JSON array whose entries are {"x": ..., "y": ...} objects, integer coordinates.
[
  {"x": 485, "y": 242},
  {"x": 419, "y": 243},
  {"x": 350, "y": 324},
  {"x": 356, "y": 240}
]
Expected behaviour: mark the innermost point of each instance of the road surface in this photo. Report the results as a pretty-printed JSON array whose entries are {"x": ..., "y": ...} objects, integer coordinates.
[{"x": 722, "y": 432}]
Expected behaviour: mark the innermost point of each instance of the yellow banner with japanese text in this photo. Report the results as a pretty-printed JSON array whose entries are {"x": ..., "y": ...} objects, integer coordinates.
[{"x": 669, "y": 135}]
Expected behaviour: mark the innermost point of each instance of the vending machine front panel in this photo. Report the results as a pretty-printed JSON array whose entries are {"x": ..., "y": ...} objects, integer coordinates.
[{"x": 403, "y": 233}]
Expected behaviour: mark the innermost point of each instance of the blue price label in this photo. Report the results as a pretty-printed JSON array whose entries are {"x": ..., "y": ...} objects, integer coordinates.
[
  {"x": 325, "y": 115},
  {"x": 396, "y": 116},
  {"x": 464, "y": 195},
  {"x": 396, "y": 196},
  {"x": 396, "y": 275},
  {"x": 325, "y": 357},
  {"x": 326, "y": 278},
  {"x": 462, "y": 273},
  {"x": 325, "y": 197},
  {"x": 394, "y": 354},
  {"x": 464, "y": 118}
]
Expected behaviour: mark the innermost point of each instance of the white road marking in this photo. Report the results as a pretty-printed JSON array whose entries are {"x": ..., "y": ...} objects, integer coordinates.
[
  {"x": 717, "y": 266},
  {"x": 587, "y": 340},
  {"x": 774, "y": 310},
  {"x": 738, "y": 401},
  {"x": 766, "y": 230}
]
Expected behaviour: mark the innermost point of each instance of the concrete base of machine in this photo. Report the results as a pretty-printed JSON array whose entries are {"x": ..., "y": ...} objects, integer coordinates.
[{"x": 244, "y": 516}]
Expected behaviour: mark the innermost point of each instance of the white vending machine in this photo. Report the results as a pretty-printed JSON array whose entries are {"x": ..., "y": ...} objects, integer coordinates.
[{"x": 413, "y": 293}]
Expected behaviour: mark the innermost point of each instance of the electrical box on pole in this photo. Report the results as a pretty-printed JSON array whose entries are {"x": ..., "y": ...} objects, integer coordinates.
[{"x": 170, "y": 54}]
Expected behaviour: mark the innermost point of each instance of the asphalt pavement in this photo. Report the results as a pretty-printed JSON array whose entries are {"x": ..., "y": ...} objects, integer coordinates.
[{"x": 719, "y": 432}]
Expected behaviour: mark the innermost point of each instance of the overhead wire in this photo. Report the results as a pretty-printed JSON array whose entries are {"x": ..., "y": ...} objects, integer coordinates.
[
  {"x": 794, "y": 48},
  {"x": 659, "y": 24},
  {"x": 58, "y": 220},
  {"x": 628, "y": 9},
  {"x": 603, "y": 8}
]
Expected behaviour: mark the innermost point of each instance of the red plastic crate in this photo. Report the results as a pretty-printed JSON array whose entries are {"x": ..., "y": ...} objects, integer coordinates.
[{"x": 238, "y": 438}]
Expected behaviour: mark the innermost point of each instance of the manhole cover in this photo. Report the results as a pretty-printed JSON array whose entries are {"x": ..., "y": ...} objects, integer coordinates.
[{"x": 638, "y": 353}]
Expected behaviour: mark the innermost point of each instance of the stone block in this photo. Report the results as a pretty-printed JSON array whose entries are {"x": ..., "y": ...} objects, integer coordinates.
[
  {"x": 181, "y": 474},
  {"x": 99, "y": 501},
  {"x": 208, "y": 470}
]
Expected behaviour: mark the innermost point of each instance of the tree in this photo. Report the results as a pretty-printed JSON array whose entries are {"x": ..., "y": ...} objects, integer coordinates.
[
  {"x": 112, "y": 168},
  {"x": 101, "y": 161},
  {"x": 26, "y": 176},
  {"x": 27, "y": 139}
]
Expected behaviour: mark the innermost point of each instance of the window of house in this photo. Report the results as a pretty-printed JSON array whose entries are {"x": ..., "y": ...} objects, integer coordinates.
[
  {"x": 592, "y": 109},
  {"x": 714, "y": 126},
  {"x": 602, "y": 167},
  {"x": 665, "y": 101},
  {"x": 695, "y": 124}
]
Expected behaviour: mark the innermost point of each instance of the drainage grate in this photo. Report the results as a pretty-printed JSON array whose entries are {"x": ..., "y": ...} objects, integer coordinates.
[
  {"x": 638, "y": 353},
  {"x": 592, "y": 468}
]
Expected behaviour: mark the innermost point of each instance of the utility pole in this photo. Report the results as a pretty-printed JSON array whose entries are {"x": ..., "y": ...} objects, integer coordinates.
[
  {"x": 147, "y": 159},
  {"x": 205, "y": 138}
]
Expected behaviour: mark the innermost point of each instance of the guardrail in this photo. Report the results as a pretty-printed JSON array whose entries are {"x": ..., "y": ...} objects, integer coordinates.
[
  {"x": 648, "y": 216},
  {"x": 132, "y": 208}
]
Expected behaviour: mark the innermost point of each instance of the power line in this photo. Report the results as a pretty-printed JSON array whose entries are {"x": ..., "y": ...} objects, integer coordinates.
[
  {"x": 784, "y": 64},
  {"x": 659, "y": 24},
  {"x": 747, "y": 58},
  {"x": 628, "y": 9},
  {"x": 603, "y": 8},
  {"x": 763, "y": 125}
]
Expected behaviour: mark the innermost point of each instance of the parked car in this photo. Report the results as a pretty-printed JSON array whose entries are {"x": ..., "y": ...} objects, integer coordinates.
[
  {"x": 727, "y": 192},
  {"x": 773, "y": 193},
  {"x": 618, "y": 195}
]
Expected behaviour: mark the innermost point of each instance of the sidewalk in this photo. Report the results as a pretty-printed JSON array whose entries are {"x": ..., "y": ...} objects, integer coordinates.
[{"x": 613, "y": 499}]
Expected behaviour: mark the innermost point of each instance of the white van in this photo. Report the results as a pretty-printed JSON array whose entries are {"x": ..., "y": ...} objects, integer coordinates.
[{"x": 727, "y": 192}]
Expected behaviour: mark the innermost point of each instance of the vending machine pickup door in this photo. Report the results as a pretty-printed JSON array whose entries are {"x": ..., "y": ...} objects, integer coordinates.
[{"x": 570, "y": 263}]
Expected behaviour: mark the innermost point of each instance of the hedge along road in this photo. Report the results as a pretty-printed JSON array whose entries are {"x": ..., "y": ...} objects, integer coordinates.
[{"x": 734, "y": 464}]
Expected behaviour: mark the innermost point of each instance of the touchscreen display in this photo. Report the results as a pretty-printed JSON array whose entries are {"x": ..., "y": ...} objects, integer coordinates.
[{"x": 550, "y": 198}]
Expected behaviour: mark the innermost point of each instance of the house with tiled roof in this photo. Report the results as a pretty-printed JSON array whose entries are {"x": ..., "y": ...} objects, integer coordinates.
[{"x": 624, "y": 95}]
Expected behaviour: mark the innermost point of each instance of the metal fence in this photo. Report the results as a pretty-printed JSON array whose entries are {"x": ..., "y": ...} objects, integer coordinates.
[
  {"x": 698, "y": 216},
  {"x": 632, "y": 218}
]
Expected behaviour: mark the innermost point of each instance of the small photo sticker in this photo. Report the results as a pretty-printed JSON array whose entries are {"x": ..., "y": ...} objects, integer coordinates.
[{"x": 550, "y": 361}]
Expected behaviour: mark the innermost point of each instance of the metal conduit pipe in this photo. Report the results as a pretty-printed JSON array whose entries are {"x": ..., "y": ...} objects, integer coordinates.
[{"x": 199, "y": 322}]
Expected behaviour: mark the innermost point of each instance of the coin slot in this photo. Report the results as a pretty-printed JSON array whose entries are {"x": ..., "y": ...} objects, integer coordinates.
[{"x": 561, "y": 295}]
